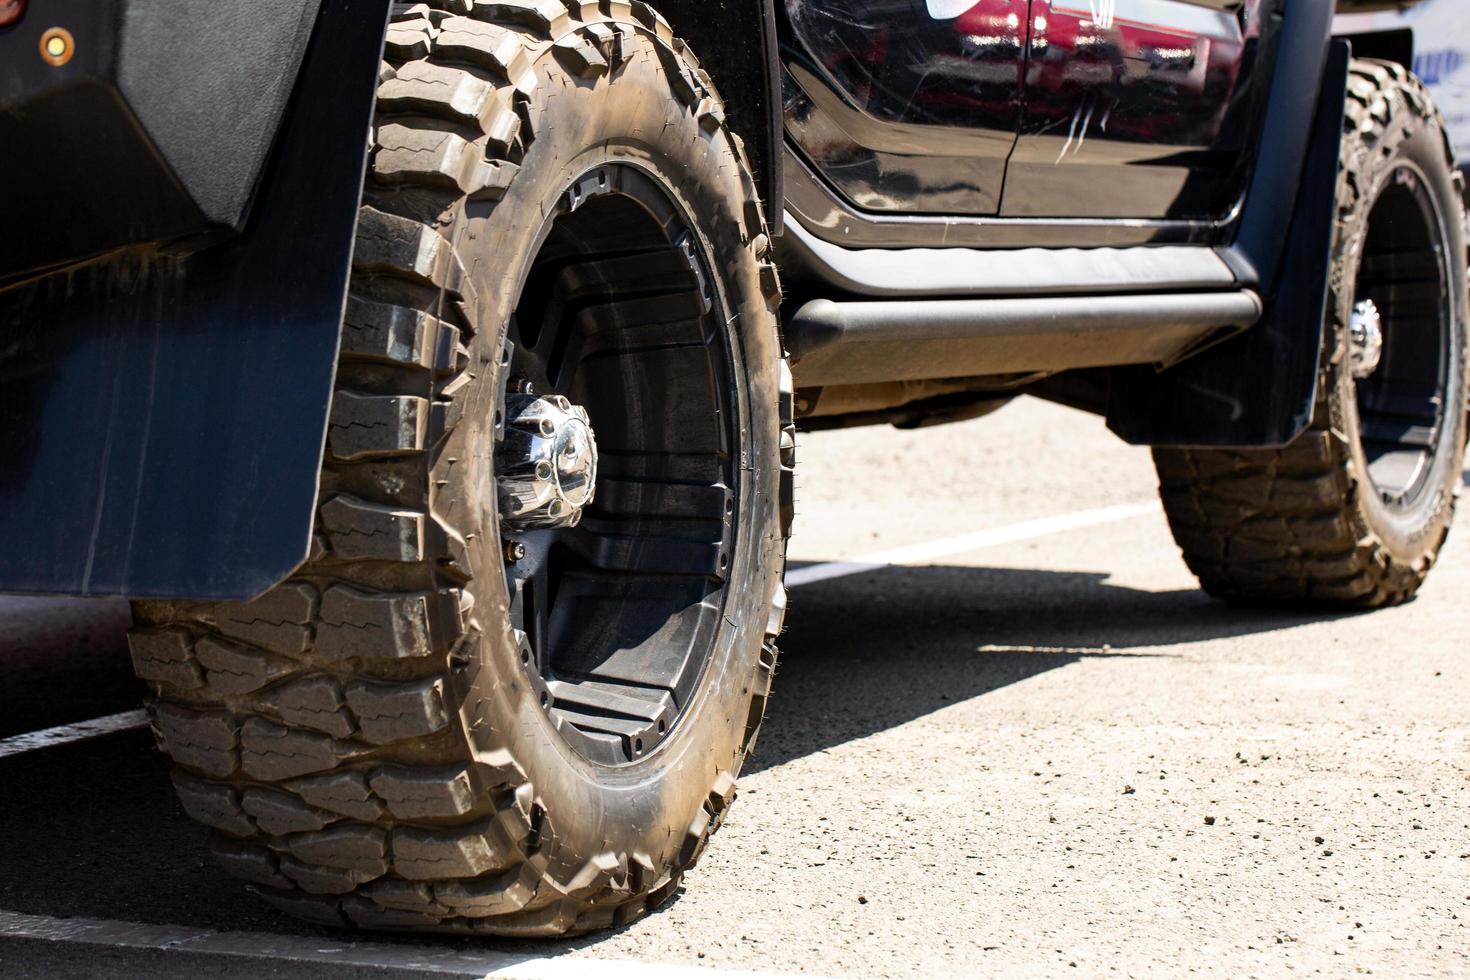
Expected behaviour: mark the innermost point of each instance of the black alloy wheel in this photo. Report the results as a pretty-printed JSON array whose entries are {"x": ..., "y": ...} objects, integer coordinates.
[{"x": 619, "y": 612}]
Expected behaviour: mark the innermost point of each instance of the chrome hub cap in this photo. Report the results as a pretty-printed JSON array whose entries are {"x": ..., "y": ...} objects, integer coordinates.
[
  {"x": 1366, "y": 329},
  {"x": 547, "y": 463}
]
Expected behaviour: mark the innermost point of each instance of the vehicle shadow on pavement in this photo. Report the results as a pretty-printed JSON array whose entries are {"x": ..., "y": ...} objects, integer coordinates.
[
  {"x": 869, "y": 652},
  {"x": 93, "y": 829},
  {"x": 46, "y": 645}
]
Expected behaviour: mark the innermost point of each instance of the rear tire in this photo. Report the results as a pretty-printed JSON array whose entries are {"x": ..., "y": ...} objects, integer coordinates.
[
  {"x": 1355, "y": 511},
  {"x": 403, "y": 735}
]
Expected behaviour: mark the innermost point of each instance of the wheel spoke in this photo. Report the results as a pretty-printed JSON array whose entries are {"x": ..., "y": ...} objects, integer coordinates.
[
  {"x": 671, "y": 548},
  {"x": 587, "y": 284},
  {"x": 669, "y": 499}
]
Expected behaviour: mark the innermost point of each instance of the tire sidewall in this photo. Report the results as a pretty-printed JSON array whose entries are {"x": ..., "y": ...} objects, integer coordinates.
[{"x": 1408, "y": 537}]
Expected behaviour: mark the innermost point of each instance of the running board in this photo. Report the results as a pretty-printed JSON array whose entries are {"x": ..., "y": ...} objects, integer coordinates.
[
  {"x": 860, "y": 342},
  {"x": 897, "y": 273}
]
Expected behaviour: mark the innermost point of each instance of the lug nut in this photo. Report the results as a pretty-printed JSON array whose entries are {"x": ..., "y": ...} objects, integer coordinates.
[{"x": 515, "y": 551}]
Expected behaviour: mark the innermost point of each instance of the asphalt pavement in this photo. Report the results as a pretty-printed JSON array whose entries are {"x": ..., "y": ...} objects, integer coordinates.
[{"x": 1009, "y": 737}]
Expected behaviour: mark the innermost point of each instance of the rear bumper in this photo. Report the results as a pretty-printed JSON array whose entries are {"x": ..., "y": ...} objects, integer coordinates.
[{"x": 155, "y": 128}]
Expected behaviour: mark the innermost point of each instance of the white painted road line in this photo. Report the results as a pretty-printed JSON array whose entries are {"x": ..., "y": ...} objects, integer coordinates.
[
  {"x": 62, "y": 734},
  {"x": 459, "y": 962},
  {"x": 928, "y": 551}
]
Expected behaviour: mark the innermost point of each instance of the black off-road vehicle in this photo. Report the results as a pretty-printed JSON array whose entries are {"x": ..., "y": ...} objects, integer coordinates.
[{"x": 453, "y": 500}]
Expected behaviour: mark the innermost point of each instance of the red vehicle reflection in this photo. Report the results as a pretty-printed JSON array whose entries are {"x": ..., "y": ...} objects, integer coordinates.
[
  {"x": 1145, "y": 100},
  {"x": 938, "y": 106},
  {"x": 903, "y": 110}
]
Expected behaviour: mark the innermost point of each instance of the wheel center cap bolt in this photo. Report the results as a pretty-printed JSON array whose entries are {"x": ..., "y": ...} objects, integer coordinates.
[
  {"x": 1366, "y": 331},
  {"x": 547, "y": 463}
]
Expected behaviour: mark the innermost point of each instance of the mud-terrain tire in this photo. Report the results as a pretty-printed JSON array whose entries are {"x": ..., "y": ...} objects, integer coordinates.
[
  {"x": 1328, "y": 520},
  {"x": 371, "y": 741}
]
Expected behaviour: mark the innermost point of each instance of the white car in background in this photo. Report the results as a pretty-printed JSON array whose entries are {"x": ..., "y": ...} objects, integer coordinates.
[{"x": 1441, "y": 53}]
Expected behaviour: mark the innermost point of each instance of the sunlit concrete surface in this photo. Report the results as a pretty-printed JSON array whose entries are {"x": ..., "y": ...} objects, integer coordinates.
[{"x": 1047, "y": 756}]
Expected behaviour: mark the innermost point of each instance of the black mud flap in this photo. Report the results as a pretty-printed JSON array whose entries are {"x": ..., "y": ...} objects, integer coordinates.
[{"x": 164, "y": 419}]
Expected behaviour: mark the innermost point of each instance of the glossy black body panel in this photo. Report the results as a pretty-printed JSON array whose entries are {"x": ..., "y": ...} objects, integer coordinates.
[
  {"x": 821, "y": 211},
  {"x": 1274, "y": 234},
  {"x": 1137, "y": 108},
  {"x": 165, "y": 429},
  {"x": 907, "y": 105},
  {"x": 156, "y": 129},
  {"x": 1287, "y": 162},
  {"x": 1257, "y": 389},
  {"x": 1117, "y": 190}
]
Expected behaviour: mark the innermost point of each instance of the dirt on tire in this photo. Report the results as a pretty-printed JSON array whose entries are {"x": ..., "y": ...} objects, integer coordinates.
[
  {"x": 1299, "y": 525},
  {"x": 357, "y": 738}
]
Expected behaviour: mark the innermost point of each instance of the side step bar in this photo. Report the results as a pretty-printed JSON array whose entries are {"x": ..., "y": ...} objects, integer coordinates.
[
  {"x": 864, "y": 342},
  {"x": 897, "y": 273}
]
